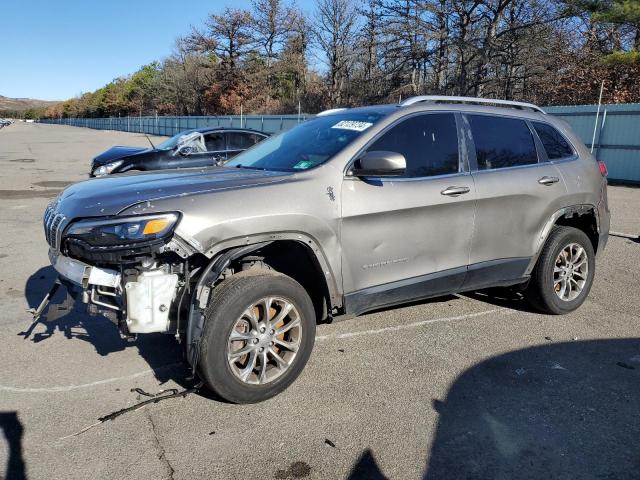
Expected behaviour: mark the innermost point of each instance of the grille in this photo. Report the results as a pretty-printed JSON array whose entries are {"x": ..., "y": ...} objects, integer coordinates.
[{"x": 52, "y": 223}]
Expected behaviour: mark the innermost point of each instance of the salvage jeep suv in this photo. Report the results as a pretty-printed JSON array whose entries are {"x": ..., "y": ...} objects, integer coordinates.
[{"x": 351, "y": 211}]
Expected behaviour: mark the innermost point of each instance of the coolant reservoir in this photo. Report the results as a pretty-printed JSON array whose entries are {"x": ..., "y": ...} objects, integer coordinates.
[{"x": 149, "y": 301}]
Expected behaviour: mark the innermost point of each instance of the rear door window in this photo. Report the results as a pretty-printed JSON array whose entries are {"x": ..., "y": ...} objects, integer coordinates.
[
  {"x": 502, "y": 142},
  {"x": 554, "y": 143},
  {"x": 241, "y": 140},
  {"x": 428, "y": 142},
  {"x": 214, "y": 141}
]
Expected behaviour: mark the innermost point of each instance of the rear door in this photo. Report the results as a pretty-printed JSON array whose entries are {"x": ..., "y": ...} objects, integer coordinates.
[
  {"x": 409, "y": 237},
  {"x": 517, "y": 191}
]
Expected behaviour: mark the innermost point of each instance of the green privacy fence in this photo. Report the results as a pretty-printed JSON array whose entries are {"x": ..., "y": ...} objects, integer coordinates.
[
  {"x": 169, "y": 126},
  {"x": 617, "y": 139},
  {"x": 617, "y": 135}
]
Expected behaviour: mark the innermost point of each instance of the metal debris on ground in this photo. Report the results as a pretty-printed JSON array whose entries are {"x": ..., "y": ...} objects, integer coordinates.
[{"x": 155, "y": 398}]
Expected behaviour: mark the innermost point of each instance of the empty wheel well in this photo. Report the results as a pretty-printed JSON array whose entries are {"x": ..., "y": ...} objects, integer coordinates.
[
  {"x": 296, "y": 260},
  {"x": 583, "y": 219}
]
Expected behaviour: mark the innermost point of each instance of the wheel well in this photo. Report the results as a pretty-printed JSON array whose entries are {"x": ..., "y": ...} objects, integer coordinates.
[
  {"x": 582, "y": 219},
  {"x": 296, "y": 260}
]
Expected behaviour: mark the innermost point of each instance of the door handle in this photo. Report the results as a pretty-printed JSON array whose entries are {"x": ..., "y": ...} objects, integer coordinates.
[
  {"x": 548, "y": 180},
  {"x": 455, "y": 191}
]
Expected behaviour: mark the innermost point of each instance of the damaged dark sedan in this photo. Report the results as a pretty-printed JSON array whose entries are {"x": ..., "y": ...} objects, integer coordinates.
[{"x": 191, "y": 148}]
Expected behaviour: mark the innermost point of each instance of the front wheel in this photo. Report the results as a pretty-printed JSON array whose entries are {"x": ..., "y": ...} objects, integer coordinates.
[
  {"x": 563, "y": 275},
  {"x": 258, "y": 335}
]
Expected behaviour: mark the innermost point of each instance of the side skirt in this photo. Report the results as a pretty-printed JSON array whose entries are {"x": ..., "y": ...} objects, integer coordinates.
[{"x": 495, "y": 273}]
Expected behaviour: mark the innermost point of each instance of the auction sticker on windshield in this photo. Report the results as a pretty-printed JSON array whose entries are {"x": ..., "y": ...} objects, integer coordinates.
[{"x": 352, "y": 125}]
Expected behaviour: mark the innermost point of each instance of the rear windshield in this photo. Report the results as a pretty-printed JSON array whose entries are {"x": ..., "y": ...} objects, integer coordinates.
[{"x": 307, "y": 145}]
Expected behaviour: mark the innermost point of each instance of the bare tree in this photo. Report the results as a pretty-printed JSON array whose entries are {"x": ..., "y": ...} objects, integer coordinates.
[{"x": 334, "y": 31}]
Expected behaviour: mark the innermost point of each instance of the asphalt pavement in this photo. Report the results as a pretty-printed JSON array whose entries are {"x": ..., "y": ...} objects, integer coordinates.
[{"x": 471, "y": 386}]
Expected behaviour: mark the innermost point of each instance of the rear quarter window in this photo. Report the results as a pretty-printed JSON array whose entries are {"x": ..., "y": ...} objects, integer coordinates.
[
  {"x": 554, "y": 143},
  {"x": 502, "y": 142}
]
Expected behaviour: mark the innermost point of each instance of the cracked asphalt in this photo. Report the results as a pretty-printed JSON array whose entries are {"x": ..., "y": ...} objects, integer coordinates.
[{"x": 470, "y": 386}]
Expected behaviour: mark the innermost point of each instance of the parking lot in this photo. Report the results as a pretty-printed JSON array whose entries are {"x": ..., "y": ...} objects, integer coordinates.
[{"x": 469, "y": 386}]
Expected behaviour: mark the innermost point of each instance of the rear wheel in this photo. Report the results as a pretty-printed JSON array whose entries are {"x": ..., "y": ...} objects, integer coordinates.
[
  {"x": 258, "y": 336},
  {"x": 562, "y": 278}
]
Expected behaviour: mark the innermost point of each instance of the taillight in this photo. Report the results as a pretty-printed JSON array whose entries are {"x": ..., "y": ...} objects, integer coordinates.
[{"x": 603, "y": 168}]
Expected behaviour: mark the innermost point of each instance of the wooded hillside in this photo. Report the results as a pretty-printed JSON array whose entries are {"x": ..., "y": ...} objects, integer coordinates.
[{"x": 275, "y": 59}]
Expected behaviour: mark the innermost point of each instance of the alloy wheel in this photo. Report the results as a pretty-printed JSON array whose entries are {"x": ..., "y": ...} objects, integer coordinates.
[
  {"x": 264, "y": 341},
  {"x": 570, "y": 272}
]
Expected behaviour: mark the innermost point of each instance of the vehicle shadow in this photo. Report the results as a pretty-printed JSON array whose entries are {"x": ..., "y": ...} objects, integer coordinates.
[
  {"x": 11, "y": 428},
  {"x": 162, "y": 352},
  {"x": 564, "y": 410},
  {"x": 502, "y": 297}
]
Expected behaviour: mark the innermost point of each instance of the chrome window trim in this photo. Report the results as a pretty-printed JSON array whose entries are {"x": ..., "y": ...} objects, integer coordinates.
[{"x": 410, "y": 179}]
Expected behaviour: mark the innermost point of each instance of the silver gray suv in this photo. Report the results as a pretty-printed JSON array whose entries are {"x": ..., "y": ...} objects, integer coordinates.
[{"x": 354, "y": 210}]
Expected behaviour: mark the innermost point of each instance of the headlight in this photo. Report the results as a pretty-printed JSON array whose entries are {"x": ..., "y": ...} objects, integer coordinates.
[
  {"x": 123, "y": 231},
  {"x": 107, "y": 168}
]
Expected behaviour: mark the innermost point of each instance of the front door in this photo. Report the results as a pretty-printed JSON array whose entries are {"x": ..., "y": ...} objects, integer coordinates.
[
  {"x": 409, "y": 237},
  {"x": 215, "y": 144}
]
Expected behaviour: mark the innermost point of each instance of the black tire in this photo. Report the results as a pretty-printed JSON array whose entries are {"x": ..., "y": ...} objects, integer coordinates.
[
  {"x": 540, "y": 292},
  {"x": 229, "y": 300}
]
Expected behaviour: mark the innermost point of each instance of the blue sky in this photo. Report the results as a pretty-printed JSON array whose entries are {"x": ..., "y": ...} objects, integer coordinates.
[{"x": 57, "y": 49}]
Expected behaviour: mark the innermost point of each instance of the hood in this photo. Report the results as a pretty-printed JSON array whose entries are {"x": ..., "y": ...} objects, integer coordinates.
[
  {"x": 118, "y": 152},
  {"x": 111, "y": 195}
]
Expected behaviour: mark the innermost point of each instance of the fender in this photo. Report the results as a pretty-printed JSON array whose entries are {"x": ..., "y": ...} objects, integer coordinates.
[
  {"x": 331, "y": 277},
  {"x": 546, "y": 230}
]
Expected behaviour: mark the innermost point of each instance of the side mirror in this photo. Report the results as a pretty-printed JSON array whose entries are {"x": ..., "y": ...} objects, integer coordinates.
[{"x": 379, "y": 163}]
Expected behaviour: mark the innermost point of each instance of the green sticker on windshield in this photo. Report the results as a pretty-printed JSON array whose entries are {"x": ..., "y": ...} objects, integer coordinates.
[{"x": 303, "y": 165}]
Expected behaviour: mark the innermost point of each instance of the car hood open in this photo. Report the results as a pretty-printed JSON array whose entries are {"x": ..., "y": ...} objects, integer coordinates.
[{"x": 111, "y": 195}]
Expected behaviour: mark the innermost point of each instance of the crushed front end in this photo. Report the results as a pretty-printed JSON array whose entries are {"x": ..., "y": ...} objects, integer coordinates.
[{"x": 132, "y": 269}]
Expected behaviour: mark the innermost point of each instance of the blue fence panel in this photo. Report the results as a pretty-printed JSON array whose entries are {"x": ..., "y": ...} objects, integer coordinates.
[
  {"x": 617, "y": 134},
  {"x": 169, "y": 126},
  {"x": 617, "y": 139}
]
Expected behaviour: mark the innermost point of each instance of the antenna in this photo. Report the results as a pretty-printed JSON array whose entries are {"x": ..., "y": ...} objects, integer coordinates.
[{"x": 595, "y": 125}]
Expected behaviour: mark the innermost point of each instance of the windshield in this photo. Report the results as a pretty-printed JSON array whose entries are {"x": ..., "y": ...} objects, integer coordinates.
[{"x": 307, "y": 145}]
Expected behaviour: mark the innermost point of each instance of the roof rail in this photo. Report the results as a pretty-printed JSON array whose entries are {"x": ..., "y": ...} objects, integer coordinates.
[
  {"x": 471, "y": 100},
  {"x": 329, "y": 112}
]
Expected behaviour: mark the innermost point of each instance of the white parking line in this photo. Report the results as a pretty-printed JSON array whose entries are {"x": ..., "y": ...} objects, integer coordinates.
[
  {"x": 405, "y": 326},
  {"x": 67, "y": 388},
  {"x": 320, "y": 338}
]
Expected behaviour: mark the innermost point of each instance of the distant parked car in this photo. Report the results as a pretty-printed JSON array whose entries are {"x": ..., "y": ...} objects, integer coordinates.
[{"x": 191, "y": 148}]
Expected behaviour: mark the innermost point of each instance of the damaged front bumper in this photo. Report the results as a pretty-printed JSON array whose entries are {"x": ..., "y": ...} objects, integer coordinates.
[
  {"x": 82, "y": 274},
  {"x": 143, "y": 301}
]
